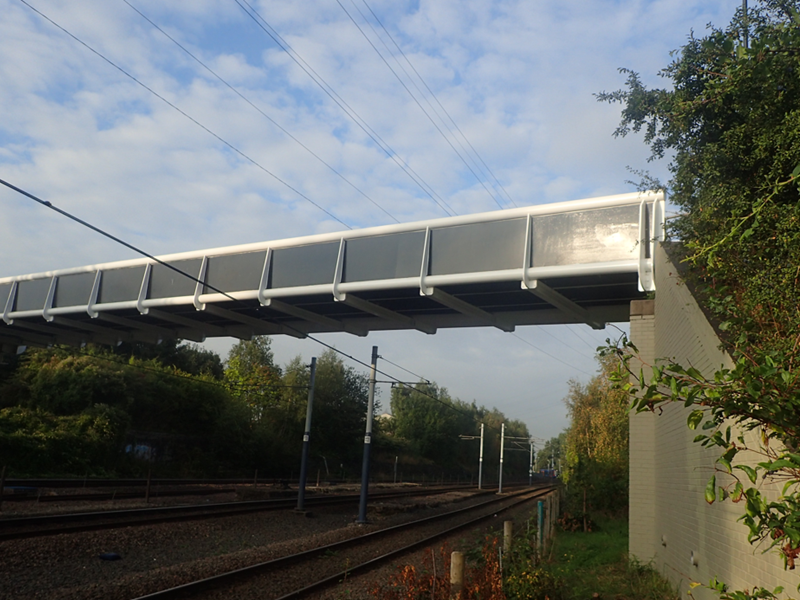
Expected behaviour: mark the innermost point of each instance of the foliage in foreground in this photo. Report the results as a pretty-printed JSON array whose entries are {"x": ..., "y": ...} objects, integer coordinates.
[
  {"x": 596, "y": 467},
  {"x": 732, "y": 119},
  {"x": 576, "y": 567}
]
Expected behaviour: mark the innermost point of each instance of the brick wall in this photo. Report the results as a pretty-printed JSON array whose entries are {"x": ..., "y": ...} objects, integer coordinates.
[{"x": 669, "y": 519}]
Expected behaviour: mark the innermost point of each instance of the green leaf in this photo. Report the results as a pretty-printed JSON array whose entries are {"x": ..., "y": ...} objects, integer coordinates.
[
  {"x": 749, "y": 471},
  {"x": 726, "y": 464},
  {"x": 694, "y": 419},
  {"x": 711, "y": 490},
  {"x": 796, "y": 172},
  {"x": 738, "y": 491}
]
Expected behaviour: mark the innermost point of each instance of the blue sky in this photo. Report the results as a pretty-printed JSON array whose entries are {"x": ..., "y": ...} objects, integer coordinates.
[{"x": 517, "y": 77}]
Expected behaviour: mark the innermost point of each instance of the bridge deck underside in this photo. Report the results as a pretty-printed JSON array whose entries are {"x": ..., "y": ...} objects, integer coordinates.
[
  {"x": 575, "y": 262},
  {"x": 606, "y": 299}
]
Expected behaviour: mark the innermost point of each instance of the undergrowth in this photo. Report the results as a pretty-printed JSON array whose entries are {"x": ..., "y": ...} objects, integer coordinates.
[{"x": 577, "y": 565}]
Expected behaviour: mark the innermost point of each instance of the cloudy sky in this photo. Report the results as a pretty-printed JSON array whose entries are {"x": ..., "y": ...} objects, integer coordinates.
[{"x": 165, "y": 123}]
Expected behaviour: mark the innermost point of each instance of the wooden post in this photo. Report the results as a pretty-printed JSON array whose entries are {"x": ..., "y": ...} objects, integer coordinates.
[
  {"x": 508, "y": 531},
  {"x": 456, "y": 574},
  {"x": 147, "y": 489},
  {"x": 2, "y": 485}
]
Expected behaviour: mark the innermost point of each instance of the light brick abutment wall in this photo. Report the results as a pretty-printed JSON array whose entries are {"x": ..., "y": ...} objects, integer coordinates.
[{"x": 670, "y": 522}]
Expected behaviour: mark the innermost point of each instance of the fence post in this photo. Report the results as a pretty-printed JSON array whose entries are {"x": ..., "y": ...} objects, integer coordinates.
[
  {"x": 456, "y": 574},
  {"x": 508, "y": 531},
  {"x": 540, "y": 526}
]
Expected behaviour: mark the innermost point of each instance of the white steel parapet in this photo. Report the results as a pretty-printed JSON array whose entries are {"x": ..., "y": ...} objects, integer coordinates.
[{"x": 579, "y": 261}]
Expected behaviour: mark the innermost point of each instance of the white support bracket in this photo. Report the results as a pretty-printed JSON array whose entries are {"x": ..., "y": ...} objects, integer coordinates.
[
  {"x": 12, "y": 296},
  {"x": 48, "y": 303},
  {"x": 198, "y": 288},
  {"x": 564, "y": 304},
  {"x": 94, "y": 295},
  {"x": 143, "y": 289},
  {"x": 646, "y": 237},
  {"x": 465, "y": 308}
]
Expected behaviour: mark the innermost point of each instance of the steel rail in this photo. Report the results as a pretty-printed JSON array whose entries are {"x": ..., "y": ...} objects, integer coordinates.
[
  {"x": 46, "y": 525},
  {"x": 214, "y": 582}
]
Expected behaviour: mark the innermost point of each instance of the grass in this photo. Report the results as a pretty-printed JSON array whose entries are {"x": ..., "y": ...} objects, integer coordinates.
[{"x": 597, "y": 563}]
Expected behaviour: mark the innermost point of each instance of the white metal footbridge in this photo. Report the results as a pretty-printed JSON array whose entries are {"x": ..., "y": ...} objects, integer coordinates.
[{"x": 572, "y": 262}]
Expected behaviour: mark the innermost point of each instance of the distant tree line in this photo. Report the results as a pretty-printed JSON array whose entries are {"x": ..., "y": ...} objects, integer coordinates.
[{"x": 179, "y": 410}]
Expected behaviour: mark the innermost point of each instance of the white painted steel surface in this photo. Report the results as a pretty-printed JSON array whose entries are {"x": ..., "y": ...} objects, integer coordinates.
[{"x": 580, "y": 261}]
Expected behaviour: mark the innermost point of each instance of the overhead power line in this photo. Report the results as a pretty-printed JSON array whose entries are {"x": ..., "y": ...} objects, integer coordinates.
[
  {"x": 418, "y": 103},
  {"x": 264, "y": 25},
  {"x": 444, "y": 110},
  {"x": 192, "y": 119},
  {"x": 563, "y": 362},
  {"x": 264, "y": 114},
  {"x": 114, "y": 238}
]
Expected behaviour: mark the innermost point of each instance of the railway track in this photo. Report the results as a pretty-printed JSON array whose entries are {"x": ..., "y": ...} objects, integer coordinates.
[
  {"x": 37, "y": 526},
  {"x": 301, "y": 574}
]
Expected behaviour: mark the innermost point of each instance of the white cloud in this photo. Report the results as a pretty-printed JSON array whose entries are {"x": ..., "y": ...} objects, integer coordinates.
[{"x": 517, "y": 76}]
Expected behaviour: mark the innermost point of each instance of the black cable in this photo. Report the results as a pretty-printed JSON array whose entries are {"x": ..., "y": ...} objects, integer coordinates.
[
  {"x": 497, "y": 181},
  {"x": 524, "y": 341},
  {"x": 196, "y": 280},
  {"x": 348, "y": 110},
  {"x": 422, "y": 108},
  {"x": 192, "y": 119},
  {"x": 265, "y": 115},
  {"x": 403, "y": 369}
]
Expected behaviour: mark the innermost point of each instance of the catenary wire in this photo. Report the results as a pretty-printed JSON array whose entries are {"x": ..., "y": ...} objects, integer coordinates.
[
  {"x": 418, "y": 103},
  {"x": 192, "y": 119},
  {"x": 583, "y": 339},
  {"x": 559, "y": 340},
  {"x": 410, "y": 64},
  {"x": 524, "y": 341},
  {"x": 64, "y": 213},
  {"x": 346, "y": 108},
  {"x": 383, "y": 358},
  {"x": 257, "y": 108}
]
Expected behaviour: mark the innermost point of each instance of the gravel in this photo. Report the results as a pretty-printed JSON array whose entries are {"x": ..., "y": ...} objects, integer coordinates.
[{"x": 161, "y": 556}]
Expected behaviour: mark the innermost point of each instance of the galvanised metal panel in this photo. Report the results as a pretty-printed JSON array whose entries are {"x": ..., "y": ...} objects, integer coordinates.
[
  {"x": 32, "y": 294},
  {"x": 586, "y": 236},
  {"x": 166, "y": 283},
  {"x": 390, "y": 256},
  {"x": 120, "y": 285},
  {"x": 234, "y": 272},
  {"x": 5, "y": 290},
  {"x": 304, "y": 265},
  {"x": 73, "y": 290},
  {"x": 491, "y": 246}
]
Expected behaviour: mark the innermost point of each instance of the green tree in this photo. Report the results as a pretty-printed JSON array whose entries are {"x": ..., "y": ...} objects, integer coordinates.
[
  {"x": 252, "y": 375},
  {"x": 596, "y": 449},
  {"x": 552, "y": 452},
  {"x": 732, "y": 123}
]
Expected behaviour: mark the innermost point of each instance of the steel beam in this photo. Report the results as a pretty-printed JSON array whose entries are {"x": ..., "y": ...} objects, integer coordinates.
[
  {"x": 564, "y": 304},
  {"x": 465, "y": 308},
  {"x": 384, "y": 313}
]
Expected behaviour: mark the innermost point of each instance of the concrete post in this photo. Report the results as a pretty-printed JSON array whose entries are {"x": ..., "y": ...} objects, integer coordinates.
[
  {"x": 362, "y": 506},
  {"x": 508, "y": 532},
  {"x": 456, "y": 574},
  {"x": 301, "y": 486}
]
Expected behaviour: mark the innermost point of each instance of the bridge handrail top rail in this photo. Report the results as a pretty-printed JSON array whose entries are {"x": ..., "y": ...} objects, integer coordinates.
[{"x": 627, "y": 199}]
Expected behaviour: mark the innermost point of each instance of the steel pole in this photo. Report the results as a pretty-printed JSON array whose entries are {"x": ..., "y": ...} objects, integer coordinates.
[
  {"x": 530, "y": 468},
  {"x": 502, "y": 446},
  {"x": 480, "y": 463},
  {"x": 362, "y": 505},
  {"x": 301, "y": 487}
]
